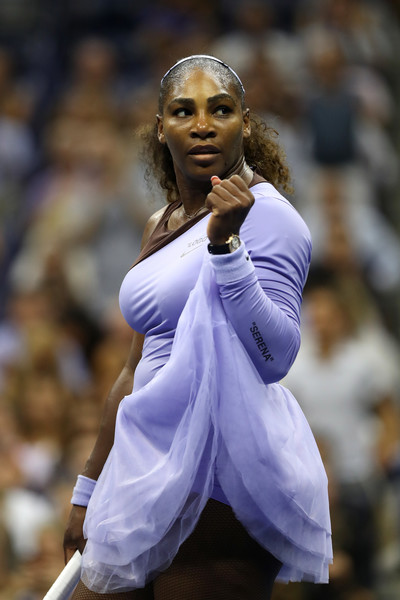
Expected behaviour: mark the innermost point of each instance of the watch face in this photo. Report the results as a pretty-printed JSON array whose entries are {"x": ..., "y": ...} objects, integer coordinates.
[{"x": 235, "y": 242}]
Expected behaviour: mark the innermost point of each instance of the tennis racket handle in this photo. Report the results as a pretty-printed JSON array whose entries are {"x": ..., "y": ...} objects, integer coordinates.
[{"x": 65, "y": 583}]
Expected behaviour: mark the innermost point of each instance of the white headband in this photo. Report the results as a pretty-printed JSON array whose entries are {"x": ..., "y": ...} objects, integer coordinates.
[{"x": 221, "y": 62}]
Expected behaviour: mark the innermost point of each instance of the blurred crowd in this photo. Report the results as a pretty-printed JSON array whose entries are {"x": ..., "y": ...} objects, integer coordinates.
[{"x": 77, "y": 80}]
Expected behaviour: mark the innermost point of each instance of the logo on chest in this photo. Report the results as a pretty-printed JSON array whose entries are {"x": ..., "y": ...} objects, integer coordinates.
[{"x": 193, "y": 245}]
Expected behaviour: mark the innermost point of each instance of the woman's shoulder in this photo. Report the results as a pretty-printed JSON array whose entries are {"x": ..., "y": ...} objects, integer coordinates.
[
  {"x": 272, "y": 207},
  {"x": 153, "y": 221},
  {"x": 263, "y": 190},
  {"x": 274, "y": 228}
]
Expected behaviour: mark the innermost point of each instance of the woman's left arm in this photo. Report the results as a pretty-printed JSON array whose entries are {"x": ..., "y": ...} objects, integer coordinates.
[{"x": 261, "y": 284}]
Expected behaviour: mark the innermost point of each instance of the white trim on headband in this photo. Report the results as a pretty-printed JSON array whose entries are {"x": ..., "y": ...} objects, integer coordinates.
[{"x": 221, "y": 62}]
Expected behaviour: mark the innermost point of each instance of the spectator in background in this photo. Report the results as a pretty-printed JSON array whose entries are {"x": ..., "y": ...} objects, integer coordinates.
[
  {"x": 17, "y": 148},
  {"x": 246, "y": 39},
  {"x": 95, "y": 87},
  {"x": 332, "y": 111},
  {"x": 40, "y": 402},
  {"x": 17, "y": 161},
  {"x": 363, "y": 29},
  {"x": 23, "y": 511},
  {"x": 342, "y": 196},
  {"x": 338, "y": 204},
  {"x": 35, "y": 333},
  {"x": 347, "y": 105}
]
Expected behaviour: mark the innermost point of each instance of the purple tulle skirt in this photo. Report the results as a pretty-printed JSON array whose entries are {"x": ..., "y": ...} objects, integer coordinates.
[{"x": 206, "y": 414}]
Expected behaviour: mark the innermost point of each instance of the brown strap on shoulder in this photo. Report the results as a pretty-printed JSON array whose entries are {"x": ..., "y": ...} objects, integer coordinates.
[{"x": 161, "y": 236}]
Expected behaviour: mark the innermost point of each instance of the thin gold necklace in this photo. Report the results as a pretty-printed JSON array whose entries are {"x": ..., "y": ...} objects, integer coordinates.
[{"x": 193, "y": 214}]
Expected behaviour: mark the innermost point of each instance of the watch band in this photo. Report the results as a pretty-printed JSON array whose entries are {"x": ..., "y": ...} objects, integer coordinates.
[{"x": 229, "y": 246}]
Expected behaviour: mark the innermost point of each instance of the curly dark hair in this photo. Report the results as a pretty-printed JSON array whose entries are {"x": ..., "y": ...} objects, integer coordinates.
[{"x": 261, "y": 150}]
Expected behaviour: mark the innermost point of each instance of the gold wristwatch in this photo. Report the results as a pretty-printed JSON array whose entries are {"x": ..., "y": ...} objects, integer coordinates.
[{"x": 230, "y": 246}]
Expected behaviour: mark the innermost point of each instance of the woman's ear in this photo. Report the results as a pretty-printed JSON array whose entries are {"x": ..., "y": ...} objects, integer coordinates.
[
  {"x": 246, "y": 123},
  {"x": 160, "y": 130}
]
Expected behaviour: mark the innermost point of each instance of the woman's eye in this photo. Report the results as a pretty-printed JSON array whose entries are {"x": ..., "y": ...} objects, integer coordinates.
[
  {"x": 181, "y": 112},
  {"x": 222, "y": 110}
]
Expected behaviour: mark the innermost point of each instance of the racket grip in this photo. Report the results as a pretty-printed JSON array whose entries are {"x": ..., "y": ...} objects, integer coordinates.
[{"x": 67, "y": 580}]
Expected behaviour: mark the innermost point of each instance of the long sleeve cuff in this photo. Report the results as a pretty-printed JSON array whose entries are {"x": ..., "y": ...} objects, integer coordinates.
[{"x": 232, "y": 267}]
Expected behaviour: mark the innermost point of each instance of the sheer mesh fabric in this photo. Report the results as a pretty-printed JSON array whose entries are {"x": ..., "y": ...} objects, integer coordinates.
[
  {"x": 219, "y": 561},
  {"x": 82, "y": 593}
]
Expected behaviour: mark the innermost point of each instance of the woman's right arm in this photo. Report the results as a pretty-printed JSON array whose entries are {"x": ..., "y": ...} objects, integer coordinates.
[{"x": 73, "y": 537}]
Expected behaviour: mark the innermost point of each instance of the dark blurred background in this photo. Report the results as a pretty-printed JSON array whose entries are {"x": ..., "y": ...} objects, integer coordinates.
[{"x": 77, "y": 79}]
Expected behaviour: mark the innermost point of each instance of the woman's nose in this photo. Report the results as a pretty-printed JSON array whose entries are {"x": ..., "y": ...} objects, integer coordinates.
[{"x": 202, "y": 126}]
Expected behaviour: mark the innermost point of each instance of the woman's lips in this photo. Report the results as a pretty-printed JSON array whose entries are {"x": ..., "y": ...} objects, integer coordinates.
[
  {"x": 203, "y": 154},
  {"x": 202, "y": 150}
]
